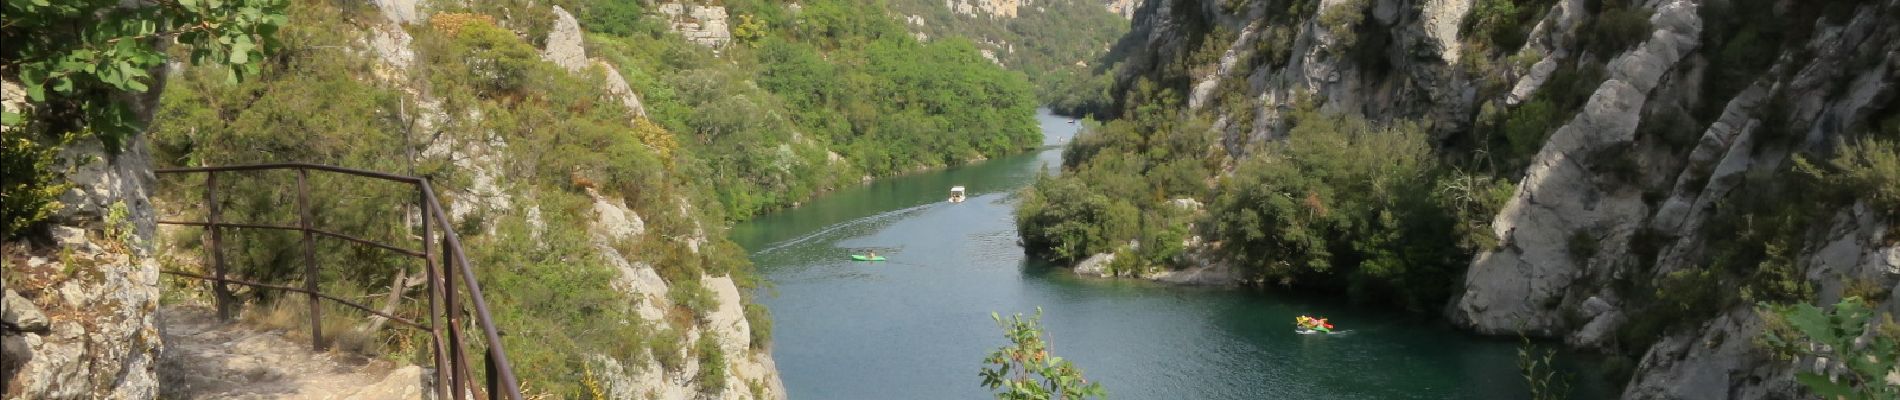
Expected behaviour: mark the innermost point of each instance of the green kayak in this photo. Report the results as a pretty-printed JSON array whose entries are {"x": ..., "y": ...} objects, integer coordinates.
[{"x": 861, "y": 257}]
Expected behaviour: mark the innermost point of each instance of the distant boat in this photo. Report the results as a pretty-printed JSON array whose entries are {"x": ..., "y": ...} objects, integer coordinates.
[
  {"x": 1071, "y": 121},
  {"x": 862, "y": 257},
  {"x": 957, "y": 194}
]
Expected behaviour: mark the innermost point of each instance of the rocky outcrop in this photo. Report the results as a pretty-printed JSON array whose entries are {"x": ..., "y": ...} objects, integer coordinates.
[
  {"x": 705, "y": 25},
  {"x": 565, "y": 48},
  {"x": 989, "y": 8},
  {"x": 481, "y": 156},
  {"x": 1124, "y": 8},
  {"x": 1513, "y": 288},
  {"x": 83, "y": 302}
]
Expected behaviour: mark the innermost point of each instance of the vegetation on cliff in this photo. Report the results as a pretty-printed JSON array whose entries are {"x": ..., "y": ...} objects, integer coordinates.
[
  {"x": 835, "y": 76},
  {"x": 1385, "y": 212},
  {"x": 82, "y": 65},
  {"x": 1057, "y": 44},
  {"x": 532, "y": 151}
]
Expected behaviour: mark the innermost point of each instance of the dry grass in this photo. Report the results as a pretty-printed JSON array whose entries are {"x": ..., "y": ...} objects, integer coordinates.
[{"x": 340, "y": 333}]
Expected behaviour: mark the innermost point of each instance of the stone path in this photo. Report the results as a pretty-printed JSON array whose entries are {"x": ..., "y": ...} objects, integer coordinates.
[{"x": 207, "y": 359}]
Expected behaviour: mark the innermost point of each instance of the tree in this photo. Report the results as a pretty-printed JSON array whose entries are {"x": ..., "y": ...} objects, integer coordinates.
[
  {"x": 72, "y": 56},
  {"x": 1024, "y": 369},
  {"x": 75, "y": 60}
]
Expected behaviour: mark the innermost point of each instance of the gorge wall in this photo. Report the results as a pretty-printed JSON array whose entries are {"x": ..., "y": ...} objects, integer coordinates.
[
  {"x": 78, "y": 309},
  {"x": 1684, "y": 110}
]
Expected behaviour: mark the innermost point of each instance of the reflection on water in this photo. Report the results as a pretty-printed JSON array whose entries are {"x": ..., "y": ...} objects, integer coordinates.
[{"x": 918, "y": 326}]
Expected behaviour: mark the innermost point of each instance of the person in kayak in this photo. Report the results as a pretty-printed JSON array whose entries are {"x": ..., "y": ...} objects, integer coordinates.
[{"x": 1313, "y": 324}]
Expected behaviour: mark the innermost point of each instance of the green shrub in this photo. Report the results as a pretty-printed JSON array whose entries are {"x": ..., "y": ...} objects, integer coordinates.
[
  {"x": 1866, "y": 169},
  {"x": 1503, "y": 25},
  {"x": 1837, "y": 334},
  {"x": 1342, "y": 203},
  {"x": 1065, "y": 221},
  {"x": 1342, "y": 21},
  {"x": 1025, "y": 370},
  {"x": 712, "y": 364},
  {"x": 1617, "y": 27},
  {"x": 1582, "y": 246},
  {"x": 693, "y": 296},
  {"x": 669, "y": 348},
  {"x": 31, "y": 185},
  {"x": 760, "y": 320}
]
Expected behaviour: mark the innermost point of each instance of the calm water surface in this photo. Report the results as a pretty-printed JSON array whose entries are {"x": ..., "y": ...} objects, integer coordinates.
[{"x": 918, "y": 326}]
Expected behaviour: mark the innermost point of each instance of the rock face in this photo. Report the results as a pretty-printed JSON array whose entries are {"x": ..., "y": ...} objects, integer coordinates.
[
  {"x": 1124, "y": 8},
  {"x": 705, "y": 25},
  {"x": 990, "y": 8},
  {"x": 84, "y": 304},
  {"x": 1509, "y": 289},
  {"x": 1583, "y": 242},
  {"x": 564, "y": 48}
]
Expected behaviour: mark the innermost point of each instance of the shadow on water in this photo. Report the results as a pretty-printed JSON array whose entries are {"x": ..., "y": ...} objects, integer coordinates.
[{"x": 918, "y": 326}]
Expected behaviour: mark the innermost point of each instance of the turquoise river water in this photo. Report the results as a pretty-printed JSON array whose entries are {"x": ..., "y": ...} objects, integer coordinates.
[{"x": 918, "y": 326}]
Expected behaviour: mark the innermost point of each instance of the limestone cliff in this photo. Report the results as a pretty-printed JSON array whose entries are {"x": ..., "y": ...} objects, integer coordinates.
[
  {"x": 1625, "y": 189},
  {"x": 613, "y": 221},
  {"x": 701, "y": 24},
  {"x": 79, "y": 309},
  {"x": 989, "y": 8}
]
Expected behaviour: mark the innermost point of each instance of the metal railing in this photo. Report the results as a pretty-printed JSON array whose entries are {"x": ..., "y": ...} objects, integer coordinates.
[{"x": 452, "y": 377}]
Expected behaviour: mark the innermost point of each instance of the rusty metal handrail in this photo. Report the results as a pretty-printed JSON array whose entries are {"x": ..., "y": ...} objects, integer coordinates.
[
  {"x": 452, "y": 364},
  {"x": 359, "y": 306},
  {"x": 348, "y": 238}
]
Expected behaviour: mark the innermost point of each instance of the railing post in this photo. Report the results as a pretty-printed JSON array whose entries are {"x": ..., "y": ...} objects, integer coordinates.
[
  {"x": 442, "y": 365},
  {"x": 457, "y": 356},
  {"x": 494, "y": 377},
  {"x": 309, "y": 259},
  {"x": 220, "y": 293}
]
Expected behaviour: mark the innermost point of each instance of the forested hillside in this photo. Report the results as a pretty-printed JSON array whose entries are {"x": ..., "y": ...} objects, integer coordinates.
[
  {"x": 1635, "y": 178},
  {"x": 1057, "y": 44},
  {"x": 591, "y": 153},
  {"x": 814, "y": 95}
]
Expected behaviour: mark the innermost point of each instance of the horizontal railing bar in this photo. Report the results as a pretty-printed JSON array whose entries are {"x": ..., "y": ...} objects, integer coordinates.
[
  {"x": 357, "y": 240},
  {"x": 275, "y": 166},
  {"x": 495, "y": 348},
  {"x": 391, "y": 318}
]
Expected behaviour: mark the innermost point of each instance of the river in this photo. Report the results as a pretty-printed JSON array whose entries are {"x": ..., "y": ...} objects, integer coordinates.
[{"x": 918, "y": 326}]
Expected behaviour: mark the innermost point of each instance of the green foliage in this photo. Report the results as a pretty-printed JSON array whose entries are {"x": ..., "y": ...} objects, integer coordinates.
[
  {"x": 1342, "y": 203},
  {"x": 712, "y": 364},
  {"x": 29, "y": 191},
  {"x": 567, "y": 141},
  {"x": 1473, "y": 200},
  {"x": 1864, "y": 169},
  {"x": 1342, "y": 21},
  {"x": 1510, "y": 138},
  {"x": 1503, "y": 25},
  {"x": 617, "y": 18},
  {"x": 1616, "y": 27},
  {"x": 73, "y": 56},
  {"x": 1539, "y": 369},
  {"x": 1836, "y": 334},
  {"x": 75, "y": 59},
  {"x": 1114, "y": 173},
  {"x": 1064, "y": 220},
  {"x": 831, "y": 78},
  {"x": 1582, "y": 245},
  {"x": 749, "y": 30},
  {"x": 1025, "y": 370},
  {"x": 760, "y": 321},
  {"x": 1050, "y": 43}
]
